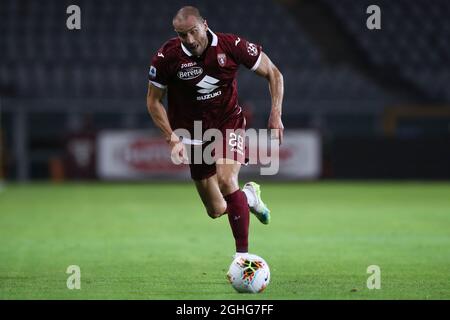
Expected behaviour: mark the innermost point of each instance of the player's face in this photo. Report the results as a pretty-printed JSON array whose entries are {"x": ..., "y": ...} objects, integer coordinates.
[{"x": 193, "y": 34}]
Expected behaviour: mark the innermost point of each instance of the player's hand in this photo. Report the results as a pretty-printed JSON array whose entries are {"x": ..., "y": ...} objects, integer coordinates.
[
  {"x": 276, "y": 127},
  {"x": 178, "y": 152}
]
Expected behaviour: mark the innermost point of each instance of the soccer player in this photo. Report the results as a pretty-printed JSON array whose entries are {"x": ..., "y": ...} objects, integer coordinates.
[{"x": 198, "y": 70}]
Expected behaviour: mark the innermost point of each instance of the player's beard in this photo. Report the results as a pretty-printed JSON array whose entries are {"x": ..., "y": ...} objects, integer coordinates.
[{"x": 198, "y": 48}]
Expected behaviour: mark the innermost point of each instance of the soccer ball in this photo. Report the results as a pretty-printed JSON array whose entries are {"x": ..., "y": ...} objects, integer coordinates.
[{"x": 249, "y": 274}]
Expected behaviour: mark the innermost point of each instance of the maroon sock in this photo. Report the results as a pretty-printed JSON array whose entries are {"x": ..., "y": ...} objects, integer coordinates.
[{"x": 239, "y": 218}]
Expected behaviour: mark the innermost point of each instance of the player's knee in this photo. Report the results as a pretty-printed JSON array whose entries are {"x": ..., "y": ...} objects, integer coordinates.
[
  {"x": 213, "y": 213},
  {"x": 226, "y": 184}
]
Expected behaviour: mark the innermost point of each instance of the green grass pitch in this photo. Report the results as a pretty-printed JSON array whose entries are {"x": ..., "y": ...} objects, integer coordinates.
[{"x": 155, "y": 241}]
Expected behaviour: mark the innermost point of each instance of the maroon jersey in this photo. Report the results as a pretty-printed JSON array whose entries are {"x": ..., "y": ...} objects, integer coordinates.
[{"x": 203, "y": 88}]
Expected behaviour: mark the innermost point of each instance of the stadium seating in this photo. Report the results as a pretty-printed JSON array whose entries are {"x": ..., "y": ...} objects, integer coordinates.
[
  {"x": 109, "y": 56},
  {"x": 51, "y": 77},
  {"x": 414, "y": 40}
]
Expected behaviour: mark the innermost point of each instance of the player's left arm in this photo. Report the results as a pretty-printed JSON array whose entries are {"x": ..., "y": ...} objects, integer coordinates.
[{"x": 268, "y": 70}]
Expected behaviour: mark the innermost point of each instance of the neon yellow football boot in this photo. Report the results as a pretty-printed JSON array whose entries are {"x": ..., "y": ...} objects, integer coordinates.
[{"x": 259, "y": 209}]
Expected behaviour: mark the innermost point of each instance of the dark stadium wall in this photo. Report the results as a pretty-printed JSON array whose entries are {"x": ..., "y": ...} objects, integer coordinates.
[{"x": 388, "y": 158}]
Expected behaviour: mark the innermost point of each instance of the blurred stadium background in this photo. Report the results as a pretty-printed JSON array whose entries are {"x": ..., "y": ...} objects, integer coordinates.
[{"x": 378, "y": 100}]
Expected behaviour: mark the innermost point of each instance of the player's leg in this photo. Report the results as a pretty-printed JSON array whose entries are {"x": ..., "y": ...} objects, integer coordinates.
[
  {"x": 234, "y": 148},
  {"x": 212, "y": 198},
  {"x": 215, "y": 205},
  {"x": 237, "y": 206},
  {"x": 227, "y": 175}
]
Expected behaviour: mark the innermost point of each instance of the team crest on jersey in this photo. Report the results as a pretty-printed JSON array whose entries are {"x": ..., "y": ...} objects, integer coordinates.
[{"x": 222, "y": 59}]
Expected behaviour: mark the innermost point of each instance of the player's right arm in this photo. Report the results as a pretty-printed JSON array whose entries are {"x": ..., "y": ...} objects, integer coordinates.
[
  {"x": 159, "y": 115},
  {"x": 159, "y": 74},
  {"x": 158, "y": 112}
]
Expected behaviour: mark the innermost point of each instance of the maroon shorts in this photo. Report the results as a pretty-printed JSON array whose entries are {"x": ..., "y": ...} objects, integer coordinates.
[{"x": 231, "y": 146}]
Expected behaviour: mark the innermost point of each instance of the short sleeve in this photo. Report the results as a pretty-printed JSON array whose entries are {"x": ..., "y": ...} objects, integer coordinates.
[
  {"x": 158, "y": 73},
  {"x": 247, "y": 53}
]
